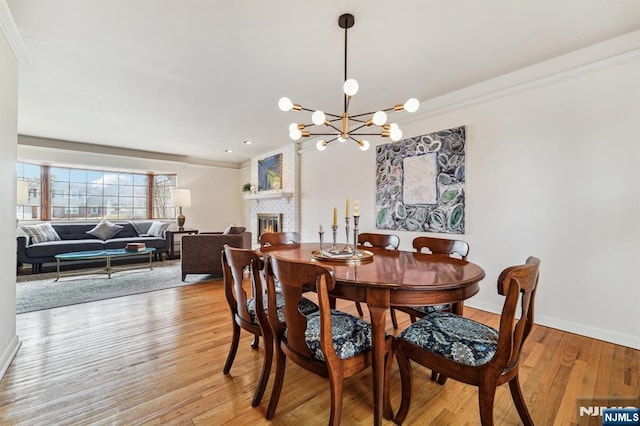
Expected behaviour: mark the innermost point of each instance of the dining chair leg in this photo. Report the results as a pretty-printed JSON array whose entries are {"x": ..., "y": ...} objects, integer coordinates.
[
  {"x": 336, "y": 380},
  {"x": 359, "y": 308},
  {"x": 486, "y": 397},
  {"x": 406, "y": 382},
  {"x": 281, "y": 361},
  {"x": 266, "y": 370},
  {"x": 387, "y": 410},
  {"x": 233, "y": 349},
  {"x": 394, "y": 320},
  {"x": 518, "y": 399},
  {"x": 256, "y": 341}
]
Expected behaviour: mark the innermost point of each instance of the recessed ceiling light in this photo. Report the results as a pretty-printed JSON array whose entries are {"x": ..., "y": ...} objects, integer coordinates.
[
  {"x": 248, "y": 142},
  {"x": 228, "y": 151}
]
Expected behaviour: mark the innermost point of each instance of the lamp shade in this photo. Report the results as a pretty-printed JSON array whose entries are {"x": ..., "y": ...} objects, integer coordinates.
[
  {"x": 22, "y": 192},
  {"x": 180, "y": 197}
]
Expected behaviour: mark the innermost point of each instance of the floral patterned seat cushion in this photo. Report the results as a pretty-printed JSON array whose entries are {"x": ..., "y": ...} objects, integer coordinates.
[
  {"x": 452, "y": 336},
  {"x": 305, "y": 306},
  {"x": 432, "y": 308},
  {"x": 351, "y": 335}
]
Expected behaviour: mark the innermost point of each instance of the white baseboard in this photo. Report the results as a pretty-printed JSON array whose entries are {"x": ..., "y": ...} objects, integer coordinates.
[
  {"x": 9, "y": 354},
  {"x": 571, "y": 327}
]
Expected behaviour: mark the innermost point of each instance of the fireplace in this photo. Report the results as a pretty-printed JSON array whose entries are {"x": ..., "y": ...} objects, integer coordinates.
[{"x": 269, "y": 222}]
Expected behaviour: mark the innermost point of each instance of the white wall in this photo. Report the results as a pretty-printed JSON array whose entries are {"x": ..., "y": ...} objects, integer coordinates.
[
  {"x": 9, "y": 342},
  {"x": 216, "y": 192},
  {"x": 552, "y": 171}
]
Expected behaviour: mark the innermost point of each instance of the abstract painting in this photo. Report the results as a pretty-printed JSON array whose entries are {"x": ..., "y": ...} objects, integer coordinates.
[
  {"x": 420, "y": 183},
  {"x": 270, "y": 172}
]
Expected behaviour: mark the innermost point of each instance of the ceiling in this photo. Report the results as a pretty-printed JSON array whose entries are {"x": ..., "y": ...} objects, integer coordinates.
[{"x": 195, "y": 78}]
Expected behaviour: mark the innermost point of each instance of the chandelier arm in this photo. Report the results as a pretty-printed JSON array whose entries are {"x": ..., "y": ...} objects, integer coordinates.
[
  {"x": 337, "y": 117},
  {"x": 364, "y": 134},
  {"x": 359, "y": 127},
  {"x": 334, "y": 127},
  {"x": 372, "y": 112},
  {"x": 322, "y": 134}
]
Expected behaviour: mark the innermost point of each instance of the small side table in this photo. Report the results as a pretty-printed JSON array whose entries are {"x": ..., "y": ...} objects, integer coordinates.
[{"x": 175, "y": 243}]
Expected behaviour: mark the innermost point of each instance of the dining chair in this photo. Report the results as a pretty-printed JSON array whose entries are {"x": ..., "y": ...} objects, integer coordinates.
[
  {"x": 329, "y": 343},
  {"x": 249, "y": 313},
  {"x": 435, "y": 246},
  {"x": 276, "y": 238},
  {"x": 387, "y": 241},
  {"x": 471, "y": 352}
]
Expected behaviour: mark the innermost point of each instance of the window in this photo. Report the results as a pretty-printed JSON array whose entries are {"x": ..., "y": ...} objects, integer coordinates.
[{"x": 94, "y": 194}]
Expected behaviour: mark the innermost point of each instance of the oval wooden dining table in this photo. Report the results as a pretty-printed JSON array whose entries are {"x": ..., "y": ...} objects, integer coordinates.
[{"x": 392, "y": 277}]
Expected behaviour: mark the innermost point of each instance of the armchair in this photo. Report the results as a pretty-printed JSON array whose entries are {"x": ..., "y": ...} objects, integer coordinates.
[{"x": 201, "y": 253}]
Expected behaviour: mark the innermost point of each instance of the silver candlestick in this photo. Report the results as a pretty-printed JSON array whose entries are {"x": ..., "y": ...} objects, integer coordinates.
[
  {"x": 334, "y": 247},
  {"x": 347, "y": 248},
  {"x": 321, "y": 234},
  {"x": 356, "y": 219}
]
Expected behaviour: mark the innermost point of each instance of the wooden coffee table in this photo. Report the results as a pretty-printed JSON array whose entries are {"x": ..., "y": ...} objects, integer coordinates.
[{"x": 102, "y": 254}]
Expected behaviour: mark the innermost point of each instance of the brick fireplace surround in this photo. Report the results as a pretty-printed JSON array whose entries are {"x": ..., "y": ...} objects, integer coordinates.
[{"x": 284, "y": 201}]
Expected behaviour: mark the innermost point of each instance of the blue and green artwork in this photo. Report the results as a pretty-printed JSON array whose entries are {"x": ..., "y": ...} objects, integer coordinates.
[
  {"x": 269, "y": 172},
  {"x": 420, "y": 183}
]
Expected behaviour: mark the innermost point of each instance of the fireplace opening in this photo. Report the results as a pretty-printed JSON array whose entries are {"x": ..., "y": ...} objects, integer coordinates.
[{"x": 269, "y": 222}]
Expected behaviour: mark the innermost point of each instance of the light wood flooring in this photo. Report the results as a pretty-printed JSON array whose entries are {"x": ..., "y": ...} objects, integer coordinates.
[{"x": 157, "y": 358}]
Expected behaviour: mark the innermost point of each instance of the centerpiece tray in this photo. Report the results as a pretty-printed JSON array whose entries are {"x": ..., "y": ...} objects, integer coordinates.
[{"x": 361, "y": 256}]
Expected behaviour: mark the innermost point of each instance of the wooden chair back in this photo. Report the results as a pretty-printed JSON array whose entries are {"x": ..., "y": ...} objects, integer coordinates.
[
  {"x": 442, "y": 246},
  {"x": 295, "y": 278},
  {"x": 235, "y": 262},
  {"x": 277, "y": 238},
  {"x": 388, "y": 241},
  {"x": 517, "y": 284}
]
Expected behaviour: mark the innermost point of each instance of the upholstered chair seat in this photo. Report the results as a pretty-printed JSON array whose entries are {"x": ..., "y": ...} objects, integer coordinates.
[
  {"x": 351, "y": 335},
  {"x": 458, "y": 338},
  {"x": 305, "y": 306}
]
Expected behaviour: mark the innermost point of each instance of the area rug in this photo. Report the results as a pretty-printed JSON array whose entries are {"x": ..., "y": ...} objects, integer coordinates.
[{"x": 42, "y": 291}]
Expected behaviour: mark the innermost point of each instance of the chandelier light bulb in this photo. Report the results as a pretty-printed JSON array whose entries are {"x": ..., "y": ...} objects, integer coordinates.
[
  {"x": 412, "y": 105},
  {"x": 350, "y": 87},
  {"x": 321, "y": 145},
  {"x": 318, "y": 118},
  {"x": 379, "y": 118},
  {"x": 292, "y": 127},
  {"x": 341, "y": 139},
  {"x": 364, "y": 145},
  {"x": 295, "y": 134},
  {"x": 395, "y": 133},
  {"x": 285, "y": 104}
]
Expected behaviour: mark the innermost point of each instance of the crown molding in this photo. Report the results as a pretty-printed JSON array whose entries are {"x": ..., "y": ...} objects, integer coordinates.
[
  {"x": 58, "y": 144},
  {"x": 619, "y": 50},
  {"x": 12, "y": 34}
]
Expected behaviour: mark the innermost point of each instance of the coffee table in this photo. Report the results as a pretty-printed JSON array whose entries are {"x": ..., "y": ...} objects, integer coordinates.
[{"x": 102, "y": 254}]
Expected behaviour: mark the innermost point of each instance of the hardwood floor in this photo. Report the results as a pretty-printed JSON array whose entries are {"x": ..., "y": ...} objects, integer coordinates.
[{"x": 157, "y": 358}]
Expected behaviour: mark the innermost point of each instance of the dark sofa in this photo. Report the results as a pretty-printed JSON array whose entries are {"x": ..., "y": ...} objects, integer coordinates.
[{"x": 74, "y": 237}]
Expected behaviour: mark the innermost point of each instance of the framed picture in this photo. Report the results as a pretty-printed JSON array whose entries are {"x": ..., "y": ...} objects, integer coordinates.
[
  {"x": 420, "y": 183},
  {"x": 270, "y": 173}
]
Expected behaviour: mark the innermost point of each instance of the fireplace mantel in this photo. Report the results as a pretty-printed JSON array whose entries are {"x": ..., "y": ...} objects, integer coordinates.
[{"x": 268, "y": 194}]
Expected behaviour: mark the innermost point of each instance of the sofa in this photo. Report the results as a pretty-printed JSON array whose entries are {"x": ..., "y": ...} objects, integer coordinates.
[
  {"x": 72, "y": 237},
  {"x": 201, "y": 253}
]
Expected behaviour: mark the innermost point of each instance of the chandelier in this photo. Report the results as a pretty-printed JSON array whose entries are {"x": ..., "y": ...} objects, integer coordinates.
[{"x": 343, "y": 127}]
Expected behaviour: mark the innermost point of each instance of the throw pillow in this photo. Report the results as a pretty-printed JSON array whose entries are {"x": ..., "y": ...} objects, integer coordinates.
[
  {"x": 41, "y": 233},
  {"x": 105, "y": 230},
  {"x": 232, "y": 229},
  {"x": 157, "y": 229}
]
